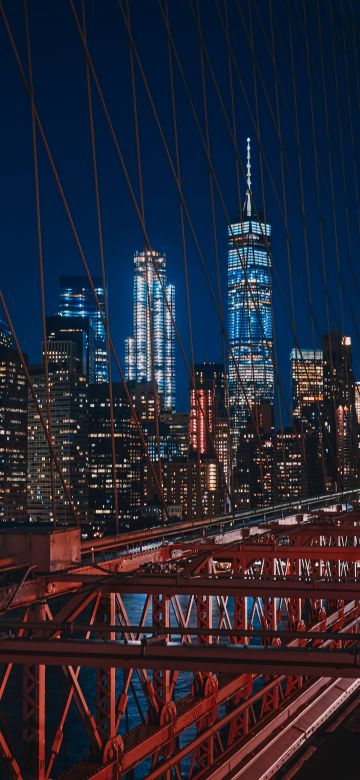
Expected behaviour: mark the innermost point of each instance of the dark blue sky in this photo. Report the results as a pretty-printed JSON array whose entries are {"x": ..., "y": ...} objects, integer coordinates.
[{"x": 59, "y": 77}]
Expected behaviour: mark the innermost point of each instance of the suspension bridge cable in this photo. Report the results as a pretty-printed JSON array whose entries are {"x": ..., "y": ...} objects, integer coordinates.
[
  {"x": 147, "y": 250},
  {"x": 41, "y": 258},
  {"x": 38, "y": 408},
  {"x": 186, "y": 272},
  {"x": 186, "y": 210},
  {"x": 103, "y": 276},
  {"x": 77, "y": 239},
  {"x": 221, "y": 198}
]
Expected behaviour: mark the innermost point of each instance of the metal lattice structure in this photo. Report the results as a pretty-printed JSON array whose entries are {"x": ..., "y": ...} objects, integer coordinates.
[{"x": 258, "y": 628}]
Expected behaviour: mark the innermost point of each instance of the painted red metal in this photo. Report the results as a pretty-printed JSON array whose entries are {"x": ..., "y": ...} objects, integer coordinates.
[{"x": 203, "y": 607}]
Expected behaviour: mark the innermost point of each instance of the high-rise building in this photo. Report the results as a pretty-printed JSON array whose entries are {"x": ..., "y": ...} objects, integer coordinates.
[
  {"x": 357, "y": 401},
  {"x": 13, "y": 422},
  {"x": 253, "y": 473},
  {"x": 307, "y": 378},
  {"x": 251, "y": 373},
  {"x": 179, "y": 426},
  {"x": 69, "y": 430},
  {"x": 150, "y": 351},
  {"x": 340, "y": 425},
  {"x": 79, "y": 330},
  {"x": 162, "y": 442},
  {"x": 207, "y": 403},
  {"x": 289, "y": 478},
  {"x": 128, "y": 452},
  {"x": 76, "y": 299},
  {"x": 6, "y": 339},
  {"x": 195, "y": 486},
  {"x": 143, "y": 395}
]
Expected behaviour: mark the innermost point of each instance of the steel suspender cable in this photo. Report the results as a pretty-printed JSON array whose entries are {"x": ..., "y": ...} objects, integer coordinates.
[
  {"x": 212, "y": 204},
  {"x": 221, "y": 198},
  {"x": 305, "y": 234},
  {"x": 197, "y": 399},
  {"x": 241, "y": 81},
  {"x": 76, "y": 236},
  {"x": 285, "y": 209},
  {"x": 147, "y": 249},
  {"x": 228, "y": 124},
  {"x": 38, "y": 408},
  {"x": 41, "y": 259},
  {"x": 103, "y": 276},
  {"x": 186, "y": 210},
  {"x": 351, "y": 122},
  {"x": 263, "y": 200}
]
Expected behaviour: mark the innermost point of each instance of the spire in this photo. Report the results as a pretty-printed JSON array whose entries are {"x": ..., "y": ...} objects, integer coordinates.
[{"x": 248, "y": 180}]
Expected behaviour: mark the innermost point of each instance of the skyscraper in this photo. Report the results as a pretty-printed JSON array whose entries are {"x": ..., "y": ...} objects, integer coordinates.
[
  {"x": 13, "y": 420},
  {"x": 251, "y": 373},
  {"x": 207, "y": 406},
  {"x": 150, "y": 351},
  {"x": 307, "y": 379},
  {"x": 340, "y": 425},
  {"x": 76, "y": 299},
  {"x": 69, "y": 429},
  {"x": 79, "y": 330},
  {"x": 128, "y": 451},
  {"x": 6, "y": 339}
]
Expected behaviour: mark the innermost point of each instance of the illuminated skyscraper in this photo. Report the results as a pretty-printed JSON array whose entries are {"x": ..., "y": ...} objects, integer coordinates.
[
  {"x": 76, "y": 299},
  {"x": 150, "y": 352},
  {"x": 207, "y": 406},
  {"x": 251, "y": 373},
  {"x": 357, "y": 401},
  {"x": 69, "y": 428},
  {"x": 79, "y": 330},
  {"x": 6, "y": 339},
  {"x": 13, "y": 421},
  {"x": 340, "y": 424},
  {"x": 128, "y": 450},
  {"x": 307, "y": 378}
]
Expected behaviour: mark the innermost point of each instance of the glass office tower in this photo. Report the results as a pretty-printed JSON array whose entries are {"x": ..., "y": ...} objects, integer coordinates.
[
  {"x": 150, "y": 352},
  {"x": 76, "y": 299},
  {"x": 251, "y": 372}
]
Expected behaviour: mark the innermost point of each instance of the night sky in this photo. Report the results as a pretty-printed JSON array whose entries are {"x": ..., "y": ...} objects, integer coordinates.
[{"x": 61, "y": 97}]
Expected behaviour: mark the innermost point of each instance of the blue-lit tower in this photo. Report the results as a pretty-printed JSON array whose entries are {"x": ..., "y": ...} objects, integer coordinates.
[
  {"x": 150, "y": 352},
  {"x": 250, "y": 370},
  {"x": 76, "y": 299}
]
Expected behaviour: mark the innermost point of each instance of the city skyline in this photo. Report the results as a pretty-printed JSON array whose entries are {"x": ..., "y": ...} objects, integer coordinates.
[
  {"x": 179, "y": 389},
  {"x": 122, "y": 232}
]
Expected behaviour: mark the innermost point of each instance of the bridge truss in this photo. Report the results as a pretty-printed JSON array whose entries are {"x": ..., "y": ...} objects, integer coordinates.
[{"x": 232, "y": 639}]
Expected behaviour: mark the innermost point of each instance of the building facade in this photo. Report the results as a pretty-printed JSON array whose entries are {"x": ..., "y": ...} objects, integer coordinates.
[
  {"x": 289, "y": 479},
  {"x": 76, "y": 299},
  {"x": 69, "y": 430},
  {"x": 307, "y": 380},
  {"x": 207, "y": 404},
  {"x": 340, "y": 423},
  {"x": 250, "y": 370},
  {"x": 6, "y": 339},
  {"x": 13, "y": 434},
  {"x": 128, "y": 452},
  {"x": 150, "y": 351},
  {"x": 79, "y": 330}
]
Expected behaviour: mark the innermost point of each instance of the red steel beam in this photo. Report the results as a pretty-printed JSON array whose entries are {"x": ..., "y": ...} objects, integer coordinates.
[
  {"x": 220, "y": 586},
  {"x": 257, "y": 552},
  {"x": 205, "y": 658},
  {"x": 45, "y": 588}
]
